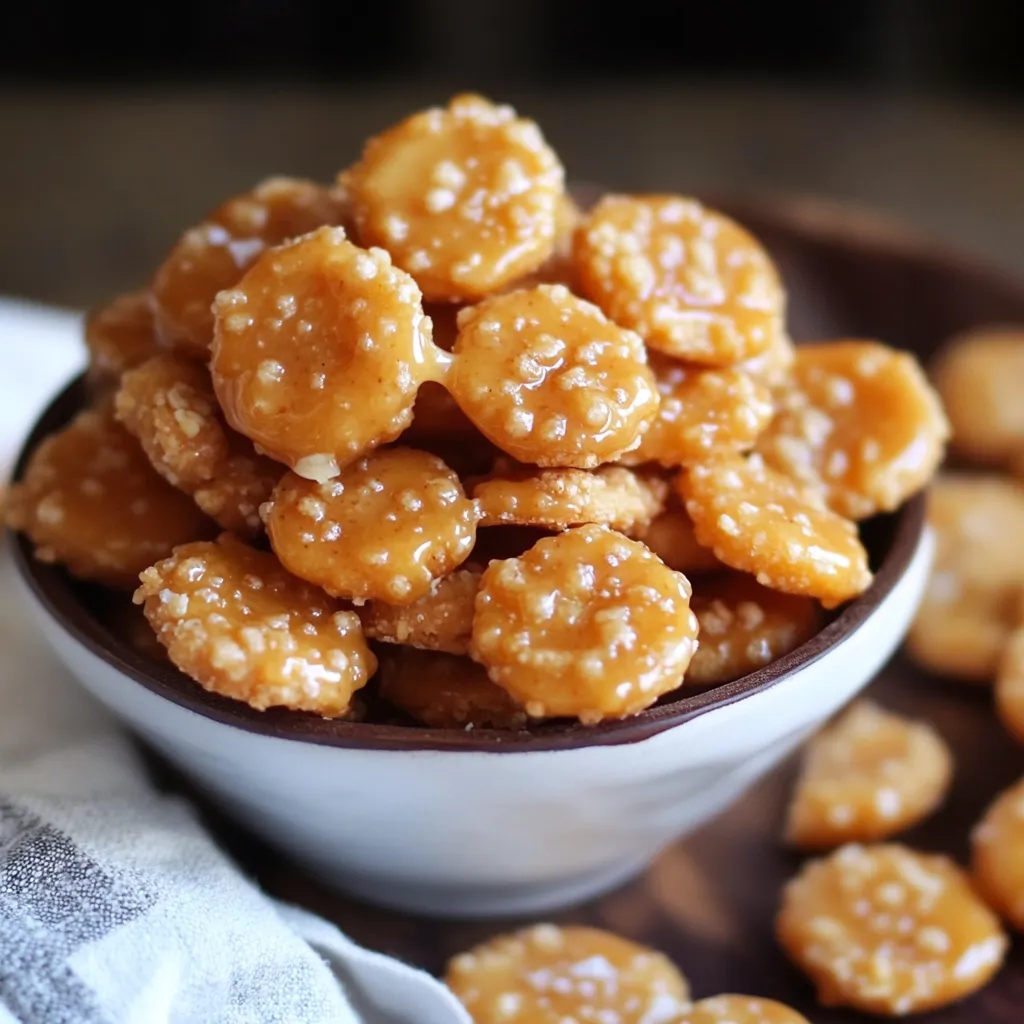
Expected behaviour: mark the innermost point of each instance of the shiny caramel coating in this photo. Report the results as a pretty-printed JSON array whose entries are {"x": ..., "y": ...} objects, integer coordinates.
[
  {"x": 213, "y": 255},
  {"x": 234, "y": 620},
  {"x": 553, "y": 975},
  {"x": 440, "y": 620},
  {"x": 587, "y": 624},
  {"x": 388, "y": 526},
  {"x": 464, "y": 198},
  {"x": 867, "y": 776},
  {"x": 735, "y": 1009},
  {"x": 556, "y": 498},
  {"x": 886, "y": 930},
  {"x": 312, "y": 331},
  {"x": 445, "y": 691},
  {"x": 241, "y": 484},
  {"x": 90, "y": 500},
  {"x": 550, "y": 380},
  {"x": 168, "y": 404},
  {"x": 972, "y": 601},
  {"x": 691, "y": 282},
  {"x": 980, "y": 376},
  {"x": 704, "y": 413},
  {"x": 761, "y": 522},
  {"x": 120, "y": 335},
  {"x": 744, "y": 626},
  {"x": 859, "y": 423},
  {"x": 997, "y": 855}
]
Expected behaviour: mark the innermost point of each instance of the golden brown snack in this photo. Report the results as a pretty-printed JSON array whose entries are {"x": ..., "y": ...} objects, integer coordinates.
[
  {"x": 884, "y": 929},
  {"x": 464, "y": 198},
  {"x": 280, "y": 208},
  {"x": 120, "y": 335},
  {"x": 972, "y": 602},
  {"x": 704, "y": 413},
  {"x": 772, "y": 366},
  {"x": 670, "y": 536},
  {"x": 744, "y": 626},
  {"x": 555, "y": 498},
  {"x": 440, "y": 620},
  {"x": 690, "y": 281},
  {"x": 759, "y": 521},
  {"x": 168, "y": 404},
  {"x": 559, "y": 267},
  {"x": 997, "y": 855},
  {"x": 859, "y": 423},
  {"x": 214, "y": 254},
  {"x": 980, "y": 376},
  {"x": 550, "y": 380},
  {"x": 587, "y": 624},
  {"x": 384, "y": 530},
  {"x": 90, "y": 500},
  {"x": 444, "y": 691},
  {"x": 1009, "y": 685},
  {"x": 733, "y": 1009},
  {"x": 552, "y": 975},
  {"x": 239, "y": 486},
  {"x": 312, "y": 331},
  {"x": 866, "y": 777},
  {"x": 234, "y": 620}
]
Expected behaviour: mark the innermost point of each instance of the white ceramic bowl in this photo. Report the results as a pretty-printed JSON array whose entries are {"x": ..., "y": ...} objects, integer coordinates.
[
  {"x": 483, "y": 823},
  {"x": 486, "y": 823}
]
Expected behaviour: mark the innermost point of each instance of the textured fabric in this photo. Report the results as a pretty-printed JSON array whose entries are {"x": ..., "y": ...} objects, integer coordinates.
[{"x": 115, "y": 906}]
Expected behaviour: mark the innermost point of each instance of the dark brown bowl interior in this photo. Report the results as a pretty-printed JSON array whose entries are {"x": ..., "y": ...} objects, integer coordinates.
[{"x": 848, "y": 274}]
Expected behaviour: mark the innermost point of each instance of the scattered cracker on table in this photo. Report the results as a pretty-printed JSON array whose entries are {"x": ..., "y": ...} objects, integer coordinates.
[
  {"x": 440, "y": 620},
  {"x": 884, "y": 929},
  {"x": 168, "y": 404},
  {"x": 704, "y": 413},
  {"x": 858, "y": 422},
  {"x": 735, "y": 1009},
  {"x": 240, "y": 625},
  {"x": 213, "y": 255},
  {"x": 384, "y": 529},
  {"x": 556, "y": 498},
  {"x": 1009, "y": 684},
  {"x": 550, "y": 380},
  {"x": 465, "y": 198},
  {"x": 311, "y": 331},
  {"x": 120, "y": 335},
  {"x": 690, "y": 281},
  {"x": 759, "y": 521},
  {"x": 445, "y": 691},
  {"x": 744, "y": 626},
  {"x": 552, "y": 975},
  {"x": 980, "y": 376},
  {"x": 90, "y": 500},
  {"x": 997, "y": 855},
  {"x": 866, "y": 777},
  {"x": 973, "y": 598},
  {"x": 588, "y": 624}
]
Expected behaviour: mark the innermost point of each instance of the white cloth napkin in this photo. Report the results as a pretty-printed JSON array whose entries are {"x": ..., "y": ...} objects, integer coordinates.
[{"x": 115, "y": 906}]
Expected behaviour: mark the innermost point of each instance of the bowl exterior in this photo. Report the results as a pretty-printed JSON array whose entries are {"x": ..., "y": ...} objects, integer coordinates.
[{"x": 470, "y": 833}]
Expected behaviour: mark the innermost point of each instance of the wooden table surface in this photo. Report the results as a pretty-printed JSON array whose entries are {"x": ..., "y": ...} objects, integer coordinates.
[{"x": 94, "y": 187}]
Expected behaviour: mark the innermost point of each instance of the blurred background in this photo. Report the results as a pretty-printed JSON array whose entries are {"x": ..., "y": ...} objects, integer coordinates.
[{"x": 118, "y": 132}]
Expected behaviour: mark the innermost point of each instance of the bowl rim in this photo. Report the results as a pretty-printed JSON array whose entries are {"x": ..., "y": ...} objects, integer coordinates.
[
  {"x": 54, "y": 590},
  {"x": 824, "y": 221}
]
